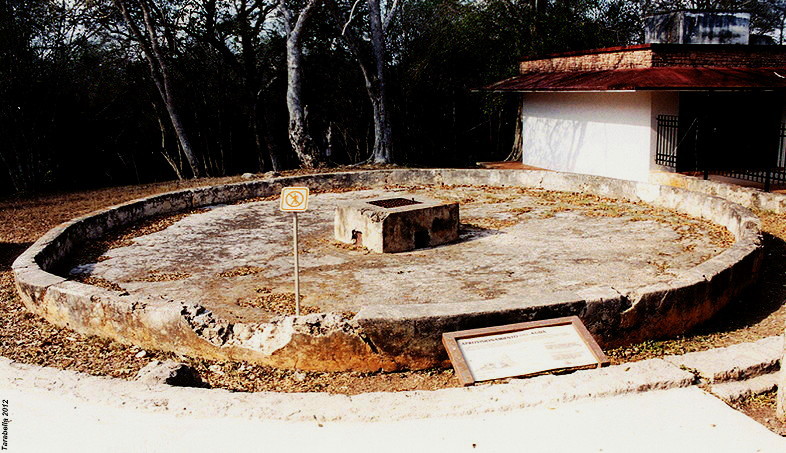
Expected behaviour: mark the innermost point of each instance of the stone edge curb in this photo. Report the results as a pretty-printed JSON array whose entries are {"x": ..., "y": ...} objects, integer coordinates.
[
  {"x": 385, "y": 337},
  {"x": 634, "y": 377},
  {"x": 733, "y": 392},
  {"x": 748, "y": 197},
  {"x": 518, "y": 393}
]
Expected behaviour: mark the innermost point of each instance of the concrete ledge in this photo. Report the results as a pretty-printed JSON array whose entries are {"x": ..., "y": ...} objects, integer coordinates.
[
  {"x": 181, "y": 401},
  {"x": 385, "y": 337},
  {"x": 547, "y": 390},
  {"x": 744, "y": 196},
  {"x": 732, "y": 392},
  {"x": 733, "y": 363}
]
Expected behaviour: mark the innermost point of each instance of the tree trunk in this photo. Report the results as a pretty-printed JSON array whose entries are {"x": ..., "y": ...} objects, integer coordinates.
[
  {"x": 383, "y": 131},
  {"x": 263, "y": 129},
  {"x": 382, "y": 153},
  {"x": 374, "y": 75},
  {"x": 182, "y": 135},
  {"x": 251, "y": 80},
  {"x": 783, "y": 25},
  {"x": 301, "y": 140},
  {"x": 160, "y": 73},
  {"x": 172, "y": 163},
  {"x": 299, "y": 137},
  {"x": 534, "y": 28},
  {"x": 517, "y": 152},
  {"x": 247, "y": 69}
]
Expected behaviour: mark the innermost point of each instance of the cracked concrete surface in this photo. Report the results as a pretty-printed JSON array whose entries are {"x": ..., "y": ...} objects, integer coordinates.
[
  {"x": 512, "y": 246},
  {"x": 402, "y": 335}
]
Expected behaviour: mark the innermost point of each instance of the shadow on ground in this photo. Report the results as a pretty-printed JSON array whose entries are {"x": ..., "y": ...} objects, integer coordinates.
[
  {"x": 9, "y": 252},
  {"x": 759, "y": 302},
  {"x": 469, "y": 232}
]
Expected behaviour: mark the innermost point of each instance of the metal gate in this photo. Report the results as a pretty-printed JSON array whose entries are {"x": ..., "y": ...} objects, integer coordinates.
[
  {"x": 668, "y": 139},
  {"x": 670, "y": 142}
]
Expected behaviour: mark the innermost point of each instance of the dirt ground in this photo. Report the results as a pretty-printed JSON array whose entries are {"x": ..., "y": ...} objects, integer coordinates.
[
  {"x": 26, "y": 338},
  {"x": 762, "y": 409}
]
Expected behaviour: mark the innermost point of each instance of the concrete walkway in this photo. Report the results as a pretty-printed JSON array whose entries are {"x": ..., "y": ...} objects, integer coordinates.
[
  {"x": 676, "y": 420},
  {"x": 653, "y": 405}
]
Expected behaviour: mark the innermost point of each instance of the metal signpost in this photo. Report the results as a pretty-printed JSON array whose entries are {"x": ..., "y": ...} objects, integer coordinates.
[{"x": 294, "y": 200}]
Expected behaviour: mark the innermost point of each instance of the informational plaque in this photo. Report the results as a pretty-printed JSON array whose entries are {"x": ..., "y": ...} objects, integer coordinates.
[{"x": 522, "y": 349}]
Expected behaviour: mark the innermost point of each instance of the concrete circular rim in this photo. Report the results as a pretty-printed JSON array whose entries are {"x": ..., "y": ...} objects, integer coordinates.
[{"x": 385, "y": 337}]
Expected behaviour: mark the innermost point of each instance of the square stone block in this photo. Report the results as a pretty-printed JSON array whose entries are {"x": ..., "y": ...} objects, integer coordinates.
[{"x": 396, "y": 224}]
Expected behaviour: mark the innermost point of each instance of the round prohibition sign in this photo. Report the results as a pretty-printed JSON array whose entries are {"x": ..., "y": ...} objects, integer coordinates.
[{"x": 294, "y": 199}]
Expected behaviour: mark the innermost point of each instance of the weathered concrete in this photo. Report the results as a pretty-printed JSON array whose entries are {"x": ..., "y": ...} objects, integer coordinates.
[
  {"x": 382, "y": 229},
  {"x": 745, "y": 196},
  {"x": 663, "y": 403},
  {"x": 740, "y": 361},
  {"x": 513, "y": 245},
  {"x": 677, "y": 420},
  {"x": 384, "y": 337},
  {"x": 367, "y": 407},
  {"x": 735, "y": 391},
  {"x": 539, "y": 391}
]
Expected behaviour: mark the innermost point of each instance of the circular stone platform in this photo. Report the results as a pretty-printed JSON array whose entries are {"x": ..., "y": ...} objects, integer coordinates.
[
  {"x": 214, "y": 282},
  {"x": 236, "y": 260}
]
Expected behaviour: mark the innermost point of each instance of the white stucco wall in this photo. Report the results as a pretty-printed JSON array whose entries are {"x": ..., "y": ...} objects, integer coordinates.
[{"x": 605, "y": 134}]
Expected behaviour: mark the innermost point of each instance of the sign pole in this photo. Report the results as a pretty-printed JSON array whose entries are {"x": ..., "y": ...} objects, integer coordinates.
[
  {"x": 297, "y": 266},
  {"x": 294, "y": 200}
]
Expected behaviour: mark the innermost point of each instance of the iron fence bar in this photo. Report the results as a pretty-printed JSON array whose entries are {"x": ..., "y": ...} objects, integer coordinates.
[
  {"x": 665, "y": 148},
  {"x": 765, "y": 176},
  {"x": 668, "y": 141}
]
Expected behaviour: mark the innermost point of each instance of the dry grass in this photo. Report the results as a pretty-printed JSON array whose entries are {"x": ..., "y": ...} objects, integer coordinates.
[
  {"x": 280, "y": 303},
  {"x": 481, "y": 223},
  {"x": 164, "y": 276},
  {"x": 241, "y": 271}
]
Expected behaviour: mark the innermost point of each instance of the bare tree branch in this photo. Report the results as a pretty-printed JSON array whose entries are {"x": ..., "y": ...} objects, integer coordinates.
[
  {"x": 391, "y": 13},
  {"x": 303, "y": 17},
  {"x": 351, "y": 15},
  {"x": 160, "y": 73}
]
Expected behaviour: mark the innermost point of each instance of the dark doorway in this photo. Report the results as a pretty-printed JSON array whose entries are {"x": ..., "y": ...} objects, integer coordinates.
[
  {"x": 422, "y": 239},
  {"x": 729, "y": 131}
]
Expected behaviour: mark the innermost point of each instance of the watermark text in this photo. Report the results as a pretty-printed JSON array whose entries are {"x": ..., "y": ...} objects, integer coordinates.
[{"x": 5, "y": 414}]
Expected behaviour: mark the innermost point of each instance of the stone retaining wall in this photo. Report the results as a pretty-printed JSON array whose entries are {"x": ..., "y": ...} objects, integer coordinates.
[
  {"x": 384, "y": 337},
  {"x": 745, "y": 196}
]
